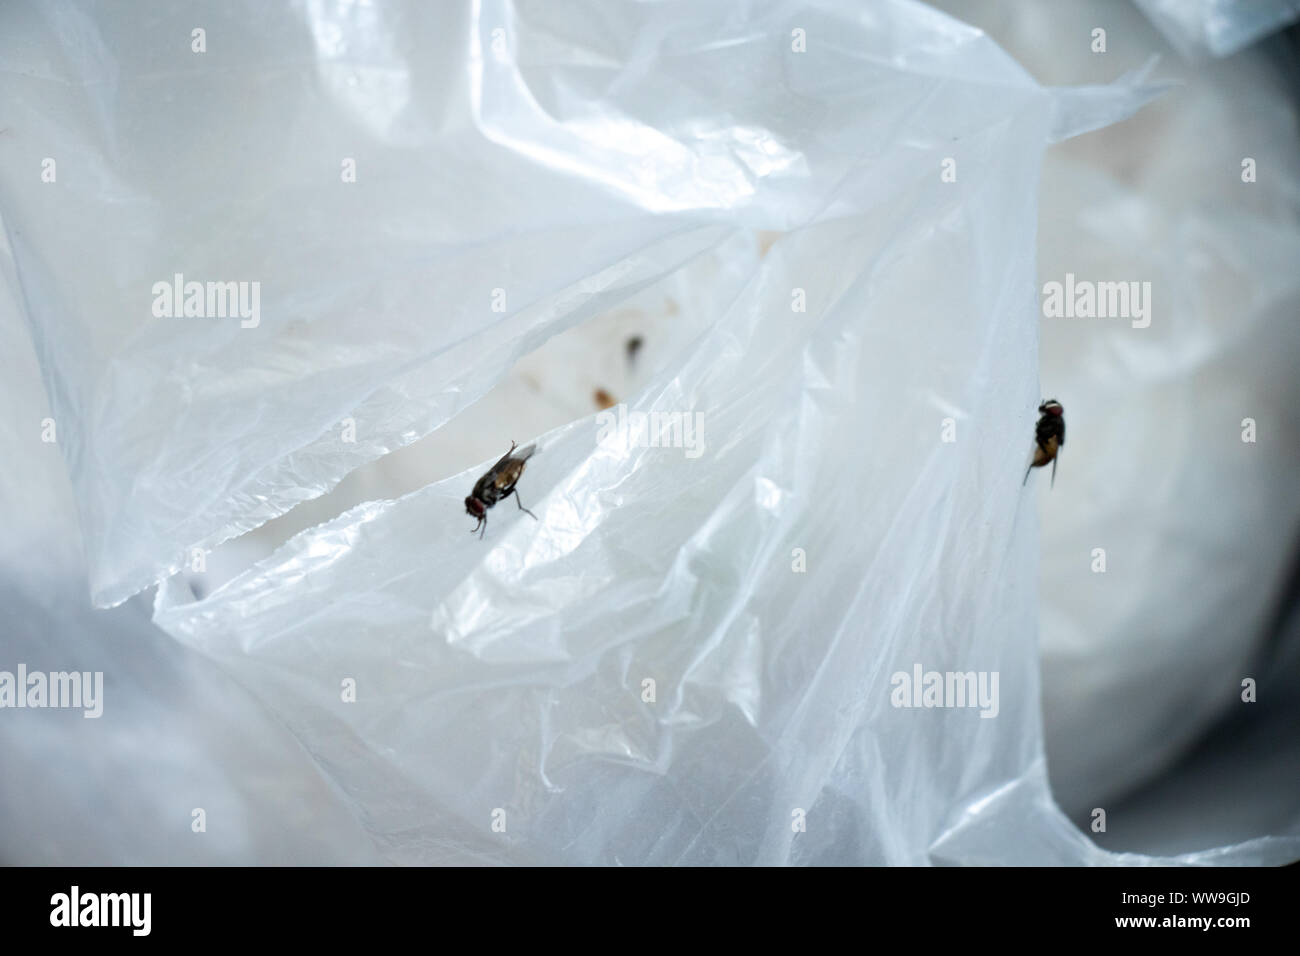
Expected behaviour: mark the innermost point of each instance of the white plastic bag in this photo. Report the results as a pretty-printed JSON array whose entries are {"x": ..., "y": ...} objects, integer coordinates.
[
  {"x": 691, "y": 652},
  {"x": 689, "y": 658},
  {"x": 535, "y": 166}
]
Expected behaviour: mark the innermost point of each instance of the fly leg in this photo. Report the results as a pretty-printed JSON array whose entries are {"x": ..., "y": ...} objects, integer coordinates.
[{"x": 515, "y": 492}]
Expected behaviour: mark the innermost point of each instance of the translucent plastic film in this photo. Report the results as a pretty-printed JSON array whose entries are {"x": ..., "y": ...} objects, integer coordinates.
[
  {"x": 681, "y": 664},
  {"x": 713, "y": 644},
  {"x": 696, "y": 645},
  {"x": 408, "y": 198}
]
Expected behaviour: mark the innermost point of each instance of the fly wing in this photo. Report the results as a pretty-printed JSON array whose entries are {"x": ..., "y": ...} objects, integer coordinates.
[
  {"x": 521, "y": 455},
  {"x": 507, "y": 471},
  {"x": 491, "y": 475},
  {"x": 1060, "y": 440},
  {"x": 501, "y": 461}
]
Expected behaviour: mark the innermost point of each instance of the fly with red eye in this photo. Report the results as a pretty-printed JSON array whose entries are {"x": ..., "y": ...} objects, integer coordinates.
[{"x": 498, "y": 483}]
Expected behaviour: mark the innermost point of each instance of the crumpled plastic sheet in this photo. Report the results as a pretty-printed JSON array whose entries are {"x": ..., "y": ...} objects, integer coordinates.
[
  {"x": 547, "y": 156},
  {"x": 503, "y": 681},
  {"x": 174, "y": 733},
  {"x": 1197, "y": 28}
]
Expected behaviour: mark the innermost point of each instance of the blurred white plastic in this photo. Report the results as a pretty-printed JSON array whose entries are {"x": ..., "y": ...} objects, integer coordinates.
[
  {"x": 1218, "y": 27},
  {"x": 1197, "y": 525},
  {"x": 1140, "y": 662},
  {"x": 174, "y": 733}
]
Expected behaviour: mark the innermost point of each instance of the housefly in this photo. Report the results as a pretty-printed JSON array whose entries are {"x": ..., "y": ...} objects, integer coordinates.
[
  {"x": 498, "y": 483},
  {"x": 1049, "y": 436}
]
